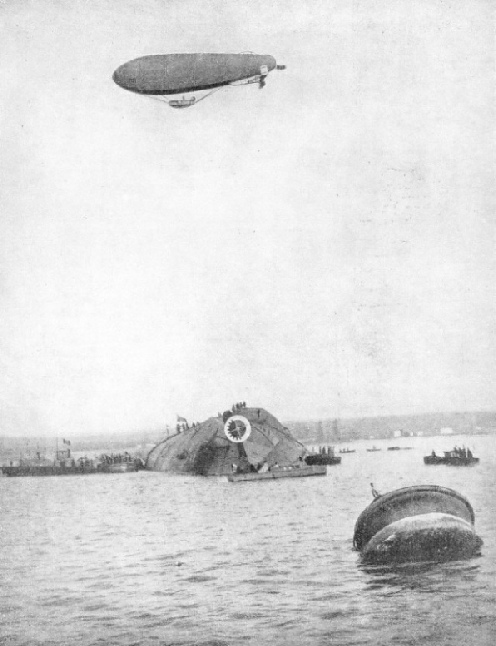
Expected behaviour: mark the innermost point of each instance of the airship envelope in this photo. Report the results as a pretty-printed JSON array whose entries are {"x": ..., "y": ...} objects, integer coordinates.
[{"x": 174, "y": 74}]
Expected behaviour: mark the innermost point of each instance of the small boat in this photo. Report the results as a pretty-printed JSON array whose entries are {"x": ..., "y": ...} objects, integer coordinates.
[
  {"x": 399, "y": 448},
  {"x": 373, "y": 449},
  {"x": 420, "y": 523},
  {"x": 454, "y": 458},
  {"x": 280, "y": 472},
  {"x": 346, "y": 450},
  {"x": 315, "y": 459}
]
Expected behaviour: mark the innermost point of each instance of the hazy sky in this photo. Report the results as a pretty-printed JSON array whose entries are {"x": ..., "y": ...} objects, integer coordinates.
[{"x": 324, "y": 247}]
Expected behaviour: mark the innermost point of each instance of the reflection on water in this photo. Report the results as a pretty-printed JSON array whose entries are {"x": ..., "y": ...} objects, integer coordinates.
[
  {"x": 428, "y": 577},
  {"x": 146, "y": 558}
]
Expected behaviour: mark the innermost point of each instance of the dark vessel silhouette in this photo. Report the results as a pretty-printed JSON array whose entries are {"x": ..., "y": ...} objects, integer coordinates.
[{"x": 457, "y": 457}]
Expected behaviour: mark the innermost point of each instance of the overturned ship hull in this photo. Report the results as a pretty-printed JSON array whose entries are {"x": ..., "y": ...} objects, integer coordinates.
[
  {"x": 428, "y": 537},
  {"x": 205, "y": 449},
  {"x": 423, "y": 523}
]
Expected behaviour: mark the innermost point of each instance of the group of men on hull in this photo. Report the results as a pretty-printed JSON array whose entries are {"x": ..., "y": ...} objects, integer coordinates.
[
  {"x": 229, "y": 413},
  {"x": 183, "y": 425}
]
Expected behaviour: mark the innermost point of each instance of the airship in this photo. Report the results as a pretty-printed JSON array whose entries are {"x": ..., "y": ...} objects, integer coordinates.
[{"x": 172, "y": 75}]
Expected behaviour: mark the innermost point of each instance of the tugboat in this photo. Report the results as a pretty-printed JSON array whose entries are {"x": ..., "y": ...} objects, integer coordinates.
[
  {"x": 325, "y": 456},
  {"x": 458, "y": 457}
]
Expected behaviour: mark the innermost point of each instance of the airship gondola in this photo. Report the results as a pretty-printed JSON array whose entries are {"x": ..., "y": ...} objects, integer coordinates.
[{"x": 164, "y": 75}]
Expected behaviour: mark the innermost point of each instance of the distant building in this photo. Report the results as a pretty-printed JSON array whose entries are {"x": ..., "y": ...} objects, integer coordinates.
[{"x": 447, "y": 431}]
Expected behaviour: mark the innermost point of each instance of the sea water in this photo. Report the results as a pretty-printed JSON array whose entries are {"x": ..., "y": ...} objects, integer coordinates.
[{"x": 150, "y": 558}]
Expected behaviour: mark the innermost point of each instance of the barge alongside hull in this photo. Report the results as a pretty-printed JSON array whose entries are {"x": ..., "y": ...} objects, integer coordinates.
[{"x": 290, "y": 472}]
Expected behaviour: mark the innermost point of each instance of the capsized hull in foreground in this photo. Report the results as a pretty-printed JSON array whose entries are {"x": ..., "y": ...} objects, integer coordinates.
[
  {"x": 429, "y": 537},
  {"x": 412, "y": 524}
]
